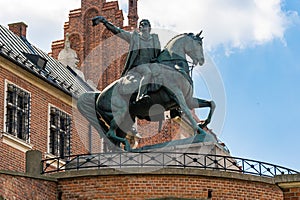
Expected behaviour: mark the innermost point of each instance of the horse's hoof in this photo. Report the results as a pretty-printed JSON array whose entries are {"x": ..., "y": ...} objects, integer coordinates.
[{"x": 127, "y": 148}]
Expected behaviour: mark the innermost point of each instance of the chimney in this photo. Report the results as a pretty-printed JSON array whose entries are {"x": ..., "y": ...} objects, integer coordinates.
[{"x": 18, "y": 28}]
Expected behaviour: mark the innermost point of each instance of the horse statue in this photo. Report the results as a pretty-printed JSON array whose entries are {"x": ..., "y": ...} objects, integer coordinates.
[{"x": 114, "y": 110}]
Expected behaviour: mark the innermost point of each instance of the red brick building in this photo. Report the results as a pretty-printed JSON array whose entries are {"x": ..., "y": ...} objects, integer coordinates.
[{"x": 37, "y": 105}]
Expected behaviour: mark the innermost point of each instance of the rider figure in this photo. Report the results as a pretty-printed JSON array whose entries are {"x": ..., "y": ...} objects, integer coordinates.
[{"x": 144, "y": 48}]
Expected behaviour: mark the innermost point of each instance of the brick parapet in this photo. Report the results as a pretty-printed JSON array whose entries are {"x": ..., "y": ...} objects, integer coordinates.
[
  {"x": 144, "y": 183},
  {"x": 163, "y": 171},
  {"x": 148, "y": 183}
]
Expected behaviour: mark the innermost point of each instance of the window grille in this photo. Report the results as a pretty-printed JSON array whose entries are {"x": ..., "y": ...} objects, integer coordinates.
[
  {"x": 18, "y": 112},
  {"x": 60, "y": 133}
]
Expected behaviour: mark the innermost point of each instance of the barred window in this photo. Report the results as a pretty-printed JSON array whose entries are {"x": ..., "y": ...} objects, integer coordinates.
[
  {"x": 60, "y": 133},
  {"x": 17, "y": 112}
]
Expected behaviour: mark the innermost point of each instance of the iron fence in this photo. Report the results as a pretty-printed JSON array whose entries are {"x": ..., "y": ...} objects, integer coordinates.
[{"x": 164, "y": 159}]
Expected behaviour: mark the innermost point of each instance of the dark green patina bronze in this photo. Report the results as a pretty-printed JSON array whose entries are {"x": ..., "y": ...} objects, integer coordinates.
[{"x": 168, "y": 84}]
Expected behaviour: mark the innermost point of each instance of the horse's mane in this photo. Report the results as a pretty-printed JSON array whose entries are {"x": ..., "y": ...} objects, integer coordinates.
[
  {"x": 173, "y": 38},
  {"x": 177, "y": 36}
]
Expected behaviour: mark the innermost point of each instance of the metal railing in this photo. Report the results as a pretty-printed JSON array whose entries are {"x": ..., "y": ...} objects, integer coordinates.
[{"x": 164, "y": 159}]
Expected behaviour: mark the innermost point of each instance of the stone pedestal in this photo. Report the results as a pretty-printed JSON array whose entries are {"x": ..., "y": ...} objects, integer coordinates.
[
  {"x": 212, "y": 148},
  {"x": 201, "y": 144}
]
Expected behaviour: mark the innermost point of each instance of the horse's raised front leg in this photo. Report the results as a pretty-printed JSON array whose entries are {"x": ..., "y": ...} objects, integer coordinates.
[
  {"x": 200, "y": 103},
  {"x": 185, "y": 109}
]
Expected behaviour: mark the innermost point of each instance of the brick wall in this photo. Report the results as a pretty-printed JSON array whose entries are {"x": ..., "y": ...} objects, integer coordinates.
[
  {"x": 18, "y": 186},
  {"x": 151, "y": 135},
  {"x": 14, "y": 159},
  {"x": 290, "y": 185},
  {"x": 291, "y": 193},
  {"x": 180, "y": 183},
  {"x": 11, "y": 158},
  {"x": 145, "y": 183}
]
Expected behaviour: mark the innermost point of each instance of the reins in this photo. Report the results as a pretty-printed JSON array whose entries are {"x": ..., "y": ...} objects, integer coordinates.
[{"x": 192, "y": 68}]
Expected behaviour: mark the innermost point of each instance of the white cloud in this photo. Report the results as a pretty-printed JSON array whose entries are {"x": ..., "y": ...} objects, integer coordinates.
[
  {"x": 43, "y": 8},
  {"x": 228, "y": 23},
  {"x": 45, "y": 19}
]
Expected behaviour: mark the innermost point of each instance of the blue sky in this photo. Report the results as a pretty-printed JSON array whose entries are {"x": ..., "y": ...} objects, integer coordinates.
[
  {"x": 253, "y": 47},
  {"x": 262, "y": 90},
  {"x": 262, "y": 113}
]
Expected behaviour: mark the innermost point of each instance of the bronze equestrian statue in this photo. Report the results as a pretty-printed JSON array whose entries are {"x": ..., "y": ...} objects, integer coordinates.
[{"x": 114, "y": 110}]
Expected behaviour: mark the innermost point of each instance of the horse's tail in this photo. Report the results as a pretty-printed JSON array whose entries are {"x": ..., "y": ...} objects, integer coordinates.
[{"x": 86, "y": 103}]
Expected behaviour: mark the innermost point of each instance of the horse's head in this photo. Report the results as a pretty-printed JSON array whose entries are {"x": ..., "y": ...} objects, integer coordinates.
[
  {"x": 182, "y": 45},
  {"x": 194, "y": 49}
]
